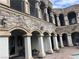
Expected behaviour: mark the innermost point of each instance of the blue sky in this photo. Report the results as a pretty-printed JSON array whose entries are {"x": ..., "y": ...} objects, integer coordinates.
[{"x": 63, "y": 3}]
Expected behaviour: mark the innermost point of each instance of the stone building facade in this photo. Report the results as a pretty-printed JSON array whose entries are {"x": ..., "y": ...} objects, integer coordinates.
[{"x": 28, "y": 26}]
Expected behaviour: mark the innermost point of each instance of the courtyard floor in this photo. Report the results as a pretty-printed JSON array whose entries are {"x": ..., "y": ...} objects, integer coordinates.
[{"x": 64, "y": 53}]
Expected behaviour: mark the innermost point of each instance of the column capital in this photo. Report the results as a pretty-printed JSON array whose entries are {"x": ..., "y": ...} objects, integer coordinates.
[
  {"x": 27, "y": 35},
  {"x": 55, "y": 35},
  {"x": 41, "y": 35},
  {"x": 5, "y": 34},
  {"x": 69, "y": 34},
  {"x": 60, "y": 35}
]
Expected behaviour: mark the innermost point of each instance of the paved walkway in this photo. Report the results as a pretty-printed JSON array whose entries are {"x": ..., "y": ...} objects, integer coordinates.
[{"x": 65, "y": 53}]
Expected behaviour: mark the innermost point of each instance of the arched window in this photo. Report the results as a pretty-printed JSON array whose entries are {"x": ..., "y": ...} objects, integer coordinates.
[
  {"x": 61, "y": 17},
  {"x": 32, "y": 7},
  {"x": 42, "y": 7},
  {"x": 17, "y": 5},
  {"x": 72, "y": 18},
  {"x": 49, "y": 14}
]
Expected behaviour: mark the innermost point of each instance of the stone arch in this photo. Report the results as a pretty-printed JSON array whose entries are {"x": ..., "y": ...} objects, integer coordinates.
[
  {"x": 72, "y": 17},
  {"x": 75, "y": 38},
  {"x": 35, "y": 41},
  {"x": 37, "y": 30},
  {"x": 61, "y": 17},
  {"x": 20, "y": 28},
  {"x": 16, "y": 42}
]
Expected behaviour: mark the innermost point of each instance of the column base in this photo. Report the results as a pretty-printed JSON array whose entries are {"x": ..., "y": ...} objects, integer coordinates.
[
  {"x": 49, "y": 52},
  {"x": 62, "y": 46},
  {"x": 4, "y": 57},
  {"x": 41, "y": 55},
  {"x": 56, "y": 49},
  {"x": 70, "y": 45},
  {"x": 29, "y": 58}
]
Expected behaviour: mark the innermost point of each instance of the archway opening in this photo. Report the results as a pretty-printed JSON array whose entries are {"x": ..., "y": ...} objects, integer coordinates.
[
  {"x": 75, "y": 38},
  {"x": 58, "y": 38},
  {"x": 45, "y": 38},
  {"x": 16, "y": 44},
  {"x": 72, "y": 18},
  {"x": 62, "y": 22},
  {"x": 52, "y": 38},
  {"x": 35, "y": 43},
  {"x": 64, "y": 37}
]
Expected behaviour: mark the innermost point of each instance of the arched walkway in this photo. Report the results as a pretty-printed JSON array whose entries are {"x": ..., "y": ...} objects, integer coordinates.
[
  {"x": 47, "y": 43},
  {"x": 16, "y": 43},
  {"x": 37, "y": 44}
]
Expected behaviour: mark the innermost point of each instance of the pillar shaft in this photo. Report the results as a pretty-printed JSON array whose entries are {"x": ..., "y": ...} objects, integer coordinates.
[
  {"x": 48, "y": 44},
  {"x": 77, "y": 17},
  {"x": 55, "y": 41},
  {"x": 66, "y": 20},
  {"x": 50, "y": 50},
  {"x": 28, "y": 51},
  {"x": 27, "y": 6},
  {"x": 4, "y": 47},
  {"x": 58, "y": 21},
  {"x": 69, "y": 39},
  {"x": 61, "y": 41},
  {"x": 41, "y": 47}
]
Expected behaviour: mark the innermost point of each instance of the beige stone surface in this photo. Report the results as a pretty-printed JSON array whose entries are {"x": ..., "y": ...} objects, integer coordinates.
[{"x": 65, "y": 53}]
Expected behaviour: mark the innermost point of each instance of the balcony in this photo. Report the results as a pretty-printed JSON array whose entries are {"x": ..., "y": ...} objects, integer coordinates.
[
  {"x": 15, "y": 18},
  {"x": 67, "y": 29}
]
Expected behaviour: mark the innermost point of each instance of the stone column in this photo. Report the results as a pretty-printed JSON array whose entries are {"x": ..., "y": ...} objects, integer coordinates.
[
  {"x": 66, "y": 20},
  {"x": 26, "y": 6},
  {"x": 38, "y": 10},
  {"x": 28, "y": 51},
  {"x": 69, "y": 39},
  {"x": 58, "y": 20},
  {"x": 55, "y": 41},
  {"x": 41, "y": 46},
  {"x": 77, "y": 17},
  {"x": 46, "y": 13},
  {"x": 48, "y": 44},
  {"x": 4, "y": 45},
  {"x": 61, "y": 42}
]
